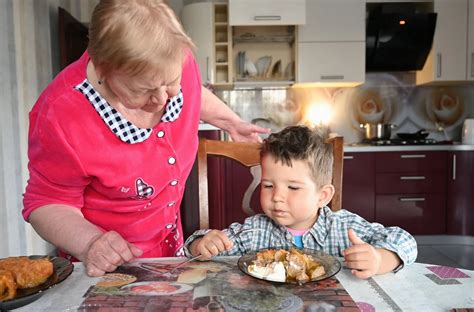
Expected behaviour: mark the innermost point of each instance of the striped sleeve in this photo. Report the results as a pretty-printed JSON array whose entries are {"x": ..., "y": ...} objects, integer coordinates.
[{"x": 391, "y": 238}]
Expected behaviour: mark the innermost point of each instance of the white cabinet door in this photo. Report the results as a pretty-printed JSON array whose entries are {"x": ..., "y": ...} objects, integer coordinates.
[
  {"x": 333, "y": 20},
  {"x": 267, "y": 12},
  {"x": 470, "y": 42},
  {"x": 447, "y": 59},
  {"x": 198, "y": 21},
  {"x": 331, "y": 62}
]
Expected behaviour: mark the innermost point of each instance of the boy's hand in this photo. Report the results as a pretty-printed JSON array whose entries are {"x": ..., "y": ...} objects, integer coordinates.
[
  {"x": 361, "y": 257},
  {"x": 211, "y": 244}
]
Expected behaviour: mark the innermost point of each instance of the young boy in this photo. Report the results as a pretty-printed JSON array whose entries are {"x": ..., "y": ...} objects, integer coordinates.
[{"x": 296, "y": 187}]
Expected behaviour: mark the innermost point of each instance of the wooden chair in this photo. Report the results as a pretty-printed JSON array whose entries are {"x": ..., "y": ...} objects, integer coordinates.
[{"x": 248, "y": 154}]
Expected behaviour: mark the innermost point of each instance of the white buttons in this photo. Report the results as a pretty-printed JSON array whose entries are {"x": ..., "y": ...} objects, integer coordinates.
[
  {"x": 160, "y": 134},
  {"x": 174, "y": 183},
  {"x": 171, "y": 160},
  {"x": 171, "y": 203}
]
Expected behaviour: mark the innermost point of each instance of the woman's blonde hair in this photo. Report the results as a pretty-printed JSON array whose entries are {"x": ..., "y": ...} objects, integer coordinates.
[{"x": 135, "y": 36}]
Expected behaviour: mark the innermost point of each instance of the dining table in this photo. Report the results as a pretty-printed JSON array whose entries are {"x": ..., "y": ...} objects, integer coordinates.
[{"x": 222, "y": 285}]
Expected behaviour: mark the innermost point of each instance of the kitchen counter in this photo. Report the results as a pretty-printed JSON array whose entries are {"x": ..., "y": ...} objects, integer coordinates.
[
  {"x": 206, "y": 127},
  {"x": 360, "y": 148}
]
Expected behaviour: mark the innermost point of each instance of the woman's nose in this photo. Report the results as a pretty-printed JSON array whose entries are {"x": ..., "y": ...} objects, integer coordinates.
[{"x": 160, "y": 96}]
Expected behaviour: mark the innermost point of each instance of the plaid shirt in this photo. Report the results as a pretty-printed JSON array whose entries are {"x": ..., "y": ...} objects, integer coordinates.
[{"x": 328, "y": 234}]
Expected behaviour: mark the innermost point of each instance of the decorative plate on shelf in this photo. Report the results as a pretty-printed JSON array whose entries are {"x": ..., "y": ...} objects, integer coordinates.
[
  {"x": 62, "y": 268},
  {"x": 330, "y": 263}
]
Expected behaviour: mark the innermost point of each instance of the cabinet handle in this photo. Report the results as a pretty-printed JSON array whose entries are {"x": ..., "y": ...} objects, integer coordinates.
[
  {"x": 413, "y": 178},
  {"x": 413, "y": 156},
  {"x": 332, "y": 77},
  {"x": 472, "y": 65},
  {"x": 267, "y": 17},
  {"x": 438, "y": 65},
  {"x": 454, "y": 167},
  {"x": 348, "y": 157},
  {"x": 411, "y": 199}
]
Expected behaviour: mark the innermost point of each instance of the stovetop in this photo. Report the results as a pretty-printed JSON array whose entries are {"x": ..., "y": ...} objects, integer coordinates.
[{"x": 405, "y": 142}]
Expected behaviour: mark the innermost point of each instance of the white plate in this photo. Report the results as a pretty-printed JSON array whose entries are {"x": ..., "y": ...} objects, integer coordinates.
[{"x": 330, "y": 263}]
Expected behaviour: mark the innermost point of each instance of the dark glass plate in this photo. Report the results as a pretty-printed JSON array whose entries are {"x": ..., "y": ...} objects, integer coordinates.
[
  {"x": 331, "y": 264},
  {"x": 62, "y": 269}
]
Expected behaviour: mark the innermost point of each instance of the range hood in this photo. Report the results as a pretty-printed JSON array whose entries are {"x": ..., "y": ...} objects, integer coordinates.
[{"x": 399, "y": 36}]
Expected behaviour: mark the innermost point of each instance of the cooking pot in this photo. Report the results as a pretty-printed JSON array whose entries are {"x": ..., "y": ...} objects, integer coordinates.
[{"x": 378, "y": 131}]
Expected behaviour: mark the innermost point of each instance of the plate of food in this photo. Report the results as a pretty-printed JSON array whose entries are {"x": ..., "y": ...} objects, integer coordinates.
[
  {"x": 153, "y": 288},
  {"x": 297, "y": 266},
  {"x": 24, "y": 279}
]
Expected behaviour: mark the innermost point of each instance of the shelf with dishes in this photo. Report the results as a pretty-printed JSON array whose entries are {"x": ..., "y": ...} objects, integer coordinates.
[
  {"x": 263, "y": 55},
  {"x": 263, "y": 70}
]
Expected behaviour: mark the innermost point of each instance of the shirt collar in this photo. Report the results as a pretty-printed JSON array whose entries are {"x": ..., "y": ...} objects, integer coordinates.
[
  {"x": 319, "y": 229},
  {"x": 118, "y": 124}
]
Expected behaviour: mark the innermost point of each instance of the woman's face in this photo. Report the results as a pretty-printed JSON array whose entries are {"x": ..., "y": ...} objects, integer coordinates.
[{"x": 148, "y": 92}]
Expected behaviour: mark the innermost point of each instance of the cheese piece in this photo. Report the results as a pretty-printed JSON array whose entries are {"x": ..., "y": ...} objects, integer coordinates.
[{"x": 273, "y": 272}]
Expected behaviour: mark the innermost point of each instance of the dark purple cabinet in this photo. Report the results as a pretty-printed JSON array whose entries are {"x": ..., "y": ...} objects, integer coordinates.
[
  {"x": 410, "y": 191},
  {"x": 419, "y": 214},
  {"x": 460, "y": 204},
  {"x": 234, "y": 181},
  {"x": 358, "y": 184},
  {"x": 405, "y": 189}
]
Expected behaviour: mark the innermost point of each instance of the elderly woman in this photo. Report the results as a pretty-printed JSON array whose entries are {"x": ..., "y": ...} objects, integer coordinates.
[{"x": 113, "y": 138}]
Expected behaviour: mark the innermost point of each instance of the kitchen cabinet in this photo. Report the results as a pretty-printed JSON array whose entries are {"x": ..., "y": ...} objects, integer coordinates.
[
  {"x": 207, "y": 24},
  {"x": 405, "y": 189},
  {"x": 460, "y": 203},
  {"x": 328, "y": 52},
  {"x": 410, "y": 191},
  {"x": 264, "y": 55},
  {"x": 448, "y": 59},
  {"x": 266, "y": 12},
  {"x": 358, "y": 184}
]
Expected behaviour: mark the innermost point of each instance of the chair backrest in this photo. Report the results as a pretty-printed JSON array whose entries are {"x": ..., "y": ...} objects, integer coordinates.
[{"x": 248, "y": 154}]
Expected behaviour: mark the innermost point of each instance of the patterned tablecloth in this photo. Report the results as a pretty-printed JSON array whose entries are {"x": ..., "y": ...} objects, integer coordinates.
[{"x": 219, "y": 285}]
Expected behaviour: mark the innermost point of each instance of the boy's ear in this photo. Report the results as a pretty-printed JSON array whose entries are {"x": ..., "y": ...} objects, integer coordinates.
[{"x": 325, "y": 195}]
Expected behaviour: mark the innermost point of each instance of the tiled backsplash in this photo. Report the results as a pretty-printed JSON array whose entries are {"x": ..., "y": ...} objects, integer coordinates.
[{"x": 384, "y": 97}]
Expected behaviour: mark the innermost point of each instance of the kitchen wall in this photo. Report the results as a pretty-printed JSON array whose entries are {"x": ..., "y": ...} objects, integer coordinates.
[{"x": 384, "y": 97}]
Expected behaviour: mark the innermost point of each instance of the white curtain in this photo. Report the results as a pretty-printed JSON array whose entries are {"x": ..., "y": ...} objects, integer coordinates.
[
  {"x": 29, "y": 59},
  {"x": 12, "y": 229}
]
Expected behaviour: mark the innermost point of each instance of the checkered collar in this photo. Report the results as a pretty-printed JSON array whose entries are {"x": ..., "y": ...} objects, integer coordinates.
[{"x": 120, "y": 126}]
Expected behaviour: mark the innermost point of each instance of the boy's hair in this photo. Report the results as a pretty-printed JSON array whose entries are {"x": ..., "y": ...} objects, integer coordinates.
[
  {"x": 302, "y": 143},
  {"x": 135, "y": 36}
]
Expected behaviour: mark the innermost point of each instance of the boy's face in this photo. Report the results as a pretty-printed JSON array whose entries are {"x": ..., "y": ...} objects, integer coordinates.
[{"x": 289, "y": 196}]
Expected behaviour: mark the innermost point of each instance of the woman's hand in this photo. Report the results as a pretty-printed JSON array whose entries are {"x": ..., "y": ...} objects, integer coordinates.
[
  {"x": 211, "y": 244},
  {"x": 247, "y": 132},
  {"x": 361, "y": 257},
  {"x": 107, "y": 251}
]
